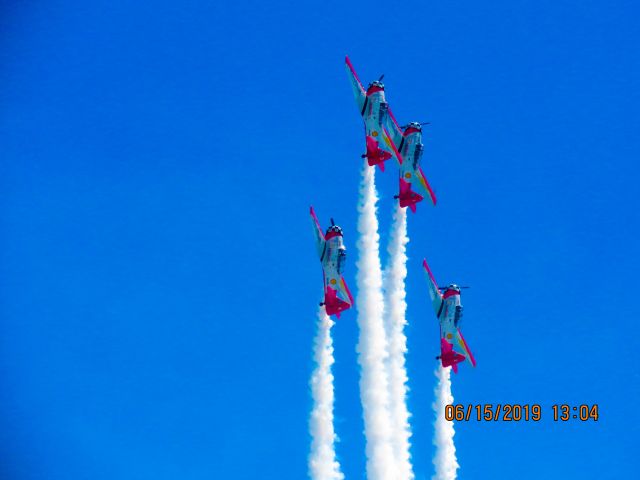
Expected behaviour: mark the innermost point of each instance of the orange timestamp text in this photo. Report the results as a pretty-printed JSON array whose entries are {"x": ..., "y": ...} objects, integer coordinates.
[{"x": 514, "y": 412}]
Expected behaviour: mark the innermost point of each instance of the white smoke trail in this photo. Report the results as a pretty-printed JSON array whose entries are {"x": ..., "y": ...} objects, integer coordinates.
[
  {"x": 372, "y": 342},
  {"x": 445, "y": 457},
  {"x": 396, "y": 307},
  {"x": 322, "y": 459}
]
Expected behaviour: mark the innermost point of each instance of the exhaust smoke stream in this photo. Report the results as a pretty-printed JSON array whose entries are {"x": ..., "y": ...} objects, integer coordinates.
[
  {"x": 322, "y": 459},
  {"x": 444, "y": 460},
  {"x": 372, "y": 341},
  {"x": 395, "y": 310}
]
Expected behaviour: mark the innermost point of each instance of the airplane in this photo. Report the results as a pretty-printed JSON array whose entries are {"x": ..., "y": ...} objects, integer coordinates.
[
  {"x": 333, "y": 254},
  {"x": 373, "y": 108},
  {"x": 448, "y": 309},
  {"x": 408, "y": 139}
]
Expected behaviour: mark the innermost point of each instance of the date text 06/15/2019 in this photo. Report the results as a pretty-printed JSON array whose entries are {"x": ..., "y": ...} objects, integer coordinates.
[{"x": 513, "y": 412}]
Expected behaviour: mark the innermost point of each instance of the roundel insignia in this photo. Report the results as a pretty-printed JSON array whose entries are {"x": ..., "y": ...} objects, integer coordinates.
[
  {"x": 332, "y": 281},
  {"x": 375, "y": 133},
  {"x": 407, "y": 175},
  {"x": 449, "y": 336}
]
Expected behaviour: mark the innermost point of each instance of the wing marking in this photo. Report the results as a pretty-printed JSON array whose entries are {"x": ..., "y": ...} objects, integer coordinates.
[
  {"x": 358, "y": 90},
  {"x": 436, "y": 297},
  {"x": 319, "y": 236}
]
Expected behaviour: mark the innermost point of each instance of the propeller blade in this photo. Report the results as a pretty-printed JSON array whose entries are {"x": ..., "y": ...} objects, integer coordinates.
[
  {"x": 381, "y": 77},
  {"x": 421, "y": 123},
  {"x": 332, "y": 222}
]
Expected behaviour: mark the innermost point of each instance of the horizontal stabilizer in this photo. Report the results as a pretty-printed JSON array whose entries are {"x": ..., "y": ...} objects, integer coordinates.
[
  {"x": 375, "y": 155},
  {"x": 333, "y": 304},
  {"x": 449, "y": 357},
  {"x": 407, "y": 197}
]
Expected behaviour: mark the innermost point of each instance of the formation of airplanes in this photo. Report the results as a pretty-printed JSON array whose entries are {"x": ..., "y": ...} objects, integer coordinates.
[{"x": 386, "y": 139}]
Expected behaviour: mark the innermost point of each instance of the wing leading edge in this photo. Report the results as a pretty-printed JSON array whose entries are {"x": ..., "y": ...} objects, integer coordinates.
[
  {"x": 358, "y": 90},
  {"x": 434, "y": 291},
  {"x": 319, "y": 236}
]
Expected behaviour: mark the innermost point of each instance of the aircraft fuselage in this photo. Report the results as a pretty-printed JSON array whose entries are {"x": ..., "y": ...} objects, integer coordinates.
[
  {"x": 450, "y": 315},
  {"x": 411, "y": 149},
  {"x": 374, "y": 112},
  {"x": 333, "y": 257}
]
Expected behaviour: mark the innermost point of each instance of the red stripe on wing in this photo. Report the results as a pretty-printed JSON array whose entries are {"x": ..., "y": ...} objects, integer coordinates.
[
  {"x": 353, "y": 70},
  {"x": 471, "y": 359},
  {"x": 426, "y": 267},
  {"x": 431, "y": 194},
  {"x": 315, "y": 218}
]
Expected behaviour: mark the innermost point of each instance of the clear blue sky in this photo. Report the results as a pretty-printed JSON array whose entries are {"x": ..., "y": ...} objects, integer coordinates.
[{"x": 158, "y": 278}]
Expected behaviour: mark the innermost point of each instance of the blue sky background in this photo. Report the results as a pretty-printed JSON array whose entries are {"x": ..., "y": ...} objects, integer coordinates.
[{"x": 158, "y": 279}]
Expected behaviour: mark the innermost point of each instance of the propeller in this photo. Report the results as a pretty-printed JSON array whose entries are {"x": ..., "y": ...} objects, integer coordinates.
[
  {"x": 444, "y": 288},
  {"x": 421, "y": 123},
  {"x": 332, "y": 222},
  {"x": 381, "y": 77}
]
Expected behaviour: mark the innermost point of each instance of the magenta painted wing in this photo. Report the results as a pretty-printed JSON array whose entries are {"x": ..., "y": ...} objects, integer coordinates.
[
  {"x": 434, "y": 292},
  {"x": 319, "y": 236},
  {"x": 358, "y": 90}
]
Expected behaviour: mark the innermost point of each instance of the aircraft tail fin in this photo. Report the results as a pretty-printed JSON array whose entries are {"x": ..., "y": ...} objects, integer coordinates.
[
  {"x": 407, "y": 197},
  {"x": 375, "y": 155},
  {"x": 333, "y": 304},
  {"x": 449, "y": 357}
]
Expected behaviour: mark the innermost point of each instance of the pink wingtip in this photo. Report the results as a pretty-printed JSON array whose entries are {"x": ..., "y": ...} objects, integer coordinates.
[
  {"x": 393, "y": 146},
  {"x": 348, "y": 291},
  {"x": 431, "y": 193},
  {"x": 347, "y": 60},
  {"x": 413, "y": 207},
  {"x": 312, "y": 212},
  {"x": 426, "y": 267},
  {"x": 381, "y": 165},
  {"x": 316, "y": 221},
  {"x": 471, "y": 357}
]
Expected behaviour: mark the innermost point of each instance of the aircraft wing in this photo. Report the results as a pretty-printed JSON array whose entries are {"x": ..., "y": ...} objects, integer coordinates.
[
  {"x": 395, "y": 132},
  {"x": 344, "y": 290},
  {"x": 320, "y": 241},
  {"x": 387, "y": 143},
  {"x": 422, "y": 186},
  {"x": 434, "y": 291},
  {"x": 464, "y": 347},
  {"x": 358, "y": 89}
]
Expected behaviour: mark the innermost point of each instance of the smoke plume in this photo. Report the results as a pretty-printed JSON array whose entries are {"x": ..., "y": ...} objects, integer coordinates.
[
  {"x": 395, "y": 309},
  {"x": 322, "y": 459},
  {"x": 372, "y": 342},
  {"x": 445, "y": 457}
]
